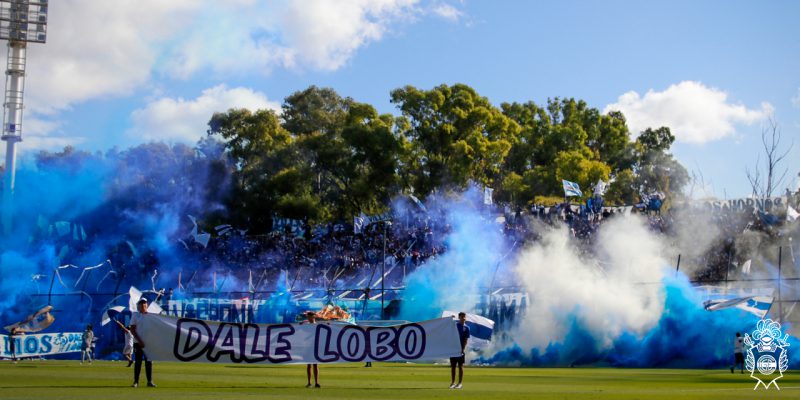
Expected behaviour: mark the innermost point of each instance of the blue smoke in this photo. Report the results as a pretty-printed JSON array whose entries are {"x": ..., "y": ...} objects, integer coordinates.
[
  {"x": 117, "y": 213},
  {"x": 474, "y": 247},
  {"x": 685, "y": 336}
]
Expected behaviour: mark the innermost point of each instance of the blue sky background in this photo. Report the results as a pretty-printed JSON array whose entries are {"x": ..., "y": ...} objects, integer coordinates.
[{"x": 118, "y": 73}]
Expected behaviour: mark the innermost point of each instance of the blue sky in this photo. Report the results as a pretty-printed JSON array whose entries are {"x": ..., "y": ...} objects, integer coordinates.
[{"x": 118, "y": 73}]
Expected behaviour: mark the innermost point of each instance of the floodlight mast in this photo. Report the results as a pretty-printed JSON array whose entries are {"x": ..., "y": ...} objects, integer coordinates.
[{"x": 21, "y": 21}]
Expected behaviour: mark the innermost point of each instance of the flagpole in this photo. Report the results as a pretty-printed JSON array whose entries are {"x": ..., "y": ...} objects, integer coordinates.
[
  {"x": 727, "y": 269},
  {"x": 780, "y": 300}
]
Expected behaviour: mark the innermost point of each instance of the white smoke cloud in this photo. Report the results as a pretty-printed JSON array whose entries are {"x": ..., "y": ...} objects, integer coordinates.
[
  {"x": 694, "y": 112},
  {"x": 619, "y": 295}
]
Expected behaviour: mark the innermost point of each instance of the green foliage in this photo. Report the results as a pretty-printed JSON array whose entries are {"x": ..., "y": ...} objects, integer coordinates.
[
  {"x": 326, "y": 157},
  {"x": 655, "y": 168},
  {"x": 456, "y": 136},
  {"x": 622, "y": 191}
]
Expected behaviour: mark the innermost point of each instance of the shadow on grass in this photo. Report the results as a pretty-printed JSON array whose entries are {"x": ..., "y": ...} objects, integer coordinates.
[{"x": 203, "y": 388}]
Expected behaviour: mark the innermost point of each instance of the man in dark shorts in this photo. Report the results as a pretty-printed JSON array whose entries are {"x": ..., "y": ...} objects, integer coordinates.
[
  {"x": 463, "y": 333},
  {"x": 138, "y": 347},
  {"x": 12, "y": 342},
  {"x": 311, "y": 318},
  {"x": 738, "y": 353}
]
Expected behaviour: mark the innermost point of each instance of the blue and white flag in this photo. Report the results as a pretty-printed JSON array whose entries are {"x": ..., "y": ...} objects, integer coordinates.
[
  {"x": 756, "y": 305},
  {"x": 418, "y": 203},
  {"x": 112, "y": 314},
  {"x": 571, "y": 189},
  {"x": 480, "y": 328},
  {"x": 359, "y": 222}
]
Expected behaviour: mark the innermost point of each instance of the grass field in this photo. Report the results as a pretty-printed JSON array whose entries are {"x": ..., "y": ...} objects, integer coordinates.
[{"x": 111, "y": 380}]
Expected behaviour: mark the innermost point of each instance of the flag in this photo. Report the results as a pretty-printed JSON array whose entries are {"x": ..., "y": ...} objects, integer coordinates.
[
  {"x": 571, "y": 189},
  {"x": 600, "y": 188},
  {"x": 487, "y": 196},
  {"x": 756, "y": 305},
  {"x": 791, "y": 213},
  {"x": 223, "y": 229},
  {"x": 418, "y": 203},
  {"x": 135, "y": 295},
  {"x": 112, "y": 313},
  {"x": 746, "y": 267},
  {"x": 35, "y": 322},
  {"x": 201, "y": 238},
  {"x": 767, "y": 218},
  {"x": 480, "y": 328},
  {"x": 359, "y": 223}
]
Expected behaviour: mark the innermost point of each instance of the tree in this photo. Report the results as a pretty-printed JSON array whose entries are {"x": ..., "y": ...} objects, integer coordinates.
[
  {"x": 656, "y": 169},
  {"x": 763, "y": 183},
  {"x": 622, "y": 190},
  {"x": 565, "y": 140},
  {"x": 352, "y": 151},
  {"x": 575, "y": 166},
  {"x": 264, "y": 155},
  {"x": 456, "y": 136}
]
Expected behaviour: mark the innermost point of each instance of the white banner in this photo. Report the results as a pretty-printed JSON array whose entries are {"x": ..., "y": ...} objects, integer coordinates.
[
  {"x": 181, "y": 339},
  {"x": 761, "y": 204},
  {"x": 42, "y": 344}
]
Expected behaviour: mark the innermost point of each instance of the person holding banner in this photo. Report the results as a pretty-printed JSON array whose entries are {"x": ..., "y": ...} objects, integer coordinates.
[
  {"x": 127, "y": 351},
  {"x": 12, "y": 344},
  {"x": 738, "y": 353},
  {"x": 463, "y": 333},
  {"x": 138, "y": 346},
  {"x": 311, "y": 318},
  {"x": 86, "y": 344}
]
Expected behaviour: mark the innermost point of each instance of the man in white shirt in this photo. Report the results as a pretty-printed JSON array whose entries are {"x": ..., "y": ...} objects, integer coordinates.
[{"x": 138, "y": 345}]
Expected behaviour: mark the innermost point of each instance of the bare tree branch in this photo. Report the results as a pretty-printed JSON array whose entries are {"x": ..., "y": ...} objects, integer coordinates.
[{"x": 765, "y": 185}]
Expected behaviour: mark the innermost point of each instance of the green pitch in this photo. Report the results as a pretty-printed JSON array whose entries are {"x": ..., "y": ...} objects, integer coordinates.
[{"x": 111, "y": 380}]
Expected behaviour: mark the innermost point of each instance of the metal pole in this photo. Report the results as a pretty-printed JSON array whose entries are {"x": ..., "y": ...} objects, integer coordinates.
[
  {"x": 727, "y": 268},
  {"x": 12, "y": 124},
  {"x": 780, "y": 300},
  {"x": 50, "y": 292},
  {"x": 678, "y": 267},
  {"x": 383, "y": 277}
]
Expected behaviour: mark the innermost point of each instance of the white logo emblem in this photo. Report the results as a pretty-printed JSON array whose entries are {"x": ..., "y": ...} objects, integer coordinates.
[{"x": 766, "y": 353}]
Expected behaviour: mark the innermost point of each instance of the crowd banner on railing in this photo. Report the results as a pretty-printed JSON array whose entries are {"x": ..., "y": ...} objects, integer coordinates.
[
  {"x": 295, "y": 226},
  {"x": 42, "y": 344},
  {"x": 762, "y": 204},
  {"x": 191, "y": 340}
]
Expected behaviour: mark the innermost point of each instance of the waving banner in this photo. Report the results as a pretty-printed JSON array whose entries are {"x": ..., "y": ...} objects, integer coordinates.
[
  {"x": 41, "y": 344},
  {"x": 35, "y": 322},
  {"x": 183, "y": 339}
]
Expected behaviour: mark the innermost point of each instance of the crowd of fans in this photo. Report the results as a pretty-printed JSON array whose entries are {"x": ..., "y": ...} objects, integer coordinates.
[
  {"x": 337, "y": 255},
  {"x": 336, "y": 258}
]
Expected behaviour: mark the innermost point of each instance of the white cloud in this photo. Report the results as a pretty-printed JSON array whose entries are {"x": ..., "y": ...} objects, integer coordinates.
[
  {"x": 297, "y": 34},
  {"x": 178, "y": 119},
  {"x": 99, "y": 48},
  {"x": 103, "y": 49},
  {"x": 447, "y": 11},
  {"x": 695, "y": 113},
  {"x": 796, "y": 99}
]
